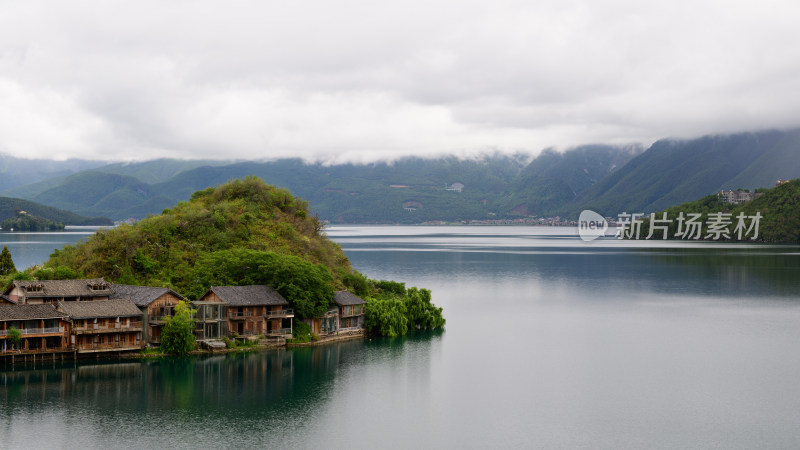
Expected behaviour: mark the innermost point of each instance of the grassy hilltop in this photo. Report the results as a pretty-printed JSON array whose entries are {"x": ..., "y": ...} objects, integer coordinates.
[{"x": 242, "y": 232}]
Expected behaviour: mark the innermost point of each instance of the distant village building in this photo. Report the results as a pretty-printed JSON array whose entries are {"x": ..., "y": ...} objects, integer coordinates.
[
  {"x": 411, "y": 206},
  {"x": 735, "y": 197},
  {"x": 780, "y": 182},
  {"x": 457, "y": 187}
]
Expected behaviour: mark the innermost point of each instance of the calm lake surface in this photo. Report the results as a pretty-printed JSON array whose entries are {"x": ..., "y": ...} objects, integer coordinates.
[{"x": 551, "y": 342}]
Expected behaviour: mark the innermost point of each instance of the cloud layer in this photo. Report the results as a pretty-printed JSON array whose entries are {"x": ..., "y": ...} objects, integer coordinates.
[{"x": 362, "y": 80}]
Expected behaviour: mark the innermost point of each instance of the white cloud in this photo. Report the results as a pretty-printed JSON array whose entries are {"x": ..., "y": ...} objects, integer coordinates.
[{"x": 362, "y": 80}]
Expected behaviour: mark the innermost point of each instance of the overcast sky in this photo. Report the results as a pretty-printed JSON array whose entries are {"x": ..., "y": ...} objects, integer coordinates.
[{"x": 366, "y": 80}]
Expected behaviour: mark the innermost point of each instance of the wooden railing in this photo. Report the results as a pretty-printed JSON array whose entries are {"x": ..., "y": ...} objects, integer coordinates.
[
  {"x": 114, "y": 326},
  {"x": 157, "y": 318},
  {"x": 239, "y": 315},
  {"x": 352, "y": 313},
  {"x": 36, "y": 331},
  {"x": 283, "y": 313}
]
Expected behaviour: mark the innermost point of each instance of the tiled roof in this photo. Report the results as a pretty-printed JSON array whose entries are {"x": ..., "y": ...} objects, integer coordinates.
[
  {"x": 140, "y": 295},
  {"x": 28, "y": 312},
  {"x": 62, "y": 288},
  {"x": 100, "y": 308},
  {"x": 248, "y": 295},
  {"x": 343, "y": 298}
]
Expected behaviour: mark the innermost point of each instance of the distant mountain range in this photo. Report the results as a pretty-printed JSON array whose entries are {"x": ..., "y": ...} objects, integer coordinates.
[{"x": 608, "y": 179}]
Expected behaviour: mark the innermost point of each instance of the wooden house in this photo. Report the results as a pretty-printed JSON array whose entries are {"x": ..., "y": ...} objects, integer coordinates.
[
  {"x": 210, "y": 317},
  {"x": 53, "y": 291},
  {"x": 345, "y": 317},
  {"x": 253, "y": 310},
  {"x": 351, "y": 311},
  {"x": 325, "y": 324},
  {"x": 100, "y": 326},
  {"x": 43, "y": 328},
  {"x": 156, "y": 304}
]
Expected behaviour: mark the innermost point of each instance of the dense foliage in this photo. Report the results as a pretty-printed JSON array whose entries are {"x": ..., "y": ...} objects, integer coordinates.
[
  {"x": 14, "y": 336},
  {"x": 177, "y": 336},
  {"x": 240, "y": 215},
  {"x": 27, "y": 222},
  {"x": 391, "y": 312}
]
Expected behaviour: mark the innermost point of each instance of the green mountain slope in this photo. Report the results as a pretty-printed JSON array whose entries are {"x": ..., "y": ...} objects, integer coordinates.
[
  {"x": 10, "y": 206},
  {"x": 779, "y": 208},
  {"x": 410, "y": 190},
  {"x": 672, "y": 172},
  {"x": 554, "y": 179},
  {"x": 159, "y": 170}
]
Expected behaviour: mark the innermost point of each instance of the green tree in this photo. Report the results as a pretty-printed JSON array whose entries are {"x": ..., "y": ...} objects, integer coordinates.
[
  {"x": 386, "y": 317},
  {"x": 421, "y": 313},
  {"x": 177, "y": 338},
  {"x": 14, "y": 336},
  {"x": 6, "y": 263}
]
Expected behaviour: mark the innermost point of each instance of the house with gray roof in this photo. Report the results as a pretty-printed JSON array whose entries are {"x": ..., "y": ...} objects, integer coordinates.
[
  {"x": 43, "y": 328},
  {"x": 29, "y": 292},
  {"x": 253, "y": 310},
  {"x": 104, "y": 325},
  {"x": 351, "y": 311},
  {"x": 156, "y": 304},
  {"x": 345, "y": 317}
]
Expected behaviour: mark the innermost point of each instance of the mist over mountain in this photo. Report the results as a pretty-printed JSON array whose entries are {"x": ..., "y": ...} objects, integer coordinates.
[{"x": 607, "y": 179}]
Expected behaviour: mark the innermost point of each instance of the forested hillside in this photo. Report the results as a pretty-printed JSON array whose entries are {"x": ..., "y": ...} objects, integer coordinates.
[
  {"x": 671, "y": 172},
  {"x": 778, "y": 221},
  {"x": 9, "y": 207}
]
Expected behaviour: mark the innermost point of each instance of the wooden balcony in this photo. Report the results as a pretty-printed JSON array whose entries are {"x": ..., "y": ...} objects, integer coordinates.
[
  {"x": 113, "y": 328},
  {"x": 237, "y": 315},
  {"x": 157, "y": 320},
  {"x": 281, "y": 314},
  {"x": 34, "y": 332}
]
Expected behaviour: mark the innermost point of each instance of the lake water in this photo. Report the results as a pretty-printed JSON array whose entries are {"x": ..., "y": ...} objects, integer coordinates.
[
  {"x": 30, "y": 248},
  {"x": 551, "y": 342}
]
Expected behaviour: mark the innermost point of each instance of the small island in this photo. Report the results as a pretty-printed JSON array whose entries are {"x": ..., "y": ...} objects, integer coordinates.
[
  {"x": 242, "y": 265},
  {"x": 24, "y": 221}
]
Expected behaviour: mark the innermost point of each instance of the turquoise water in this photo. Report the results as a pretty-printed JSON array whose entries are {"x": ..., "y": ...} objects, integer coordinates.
[{"x": 550, "y": 342}]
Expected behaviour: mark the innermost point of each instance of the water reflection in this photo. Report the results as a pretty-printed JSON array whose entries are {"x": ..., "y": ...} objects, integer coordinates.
[{"x": 259, "y": 397}]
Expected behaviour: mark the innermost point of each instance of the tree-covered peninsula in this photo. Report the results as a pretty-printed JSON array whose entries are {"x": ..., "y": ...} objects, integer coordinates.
[
  {"x": 241, "y": 233},
  {"x": 777, "y": 210}
]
